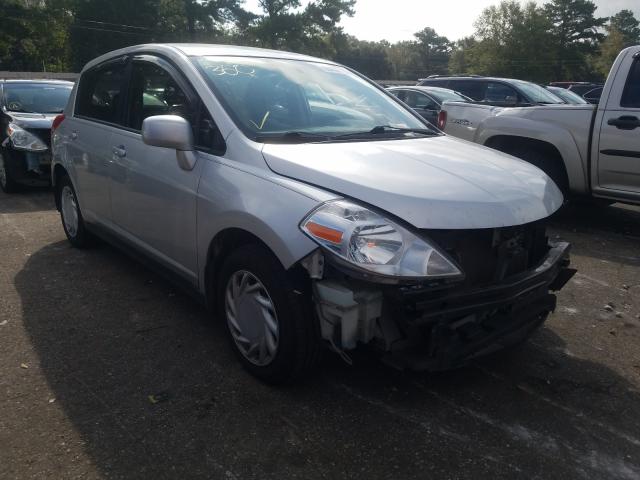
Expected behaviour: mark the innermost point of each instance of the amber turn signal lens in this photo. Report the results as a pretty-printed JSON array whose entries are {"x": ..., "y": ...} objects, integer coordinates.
[{"x": 329, "y": 234}]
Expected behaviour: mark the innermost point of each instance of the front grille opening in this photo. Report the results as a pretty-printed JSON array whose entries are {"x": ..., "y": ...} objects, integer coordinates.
[{"x": 493, "y": 254}]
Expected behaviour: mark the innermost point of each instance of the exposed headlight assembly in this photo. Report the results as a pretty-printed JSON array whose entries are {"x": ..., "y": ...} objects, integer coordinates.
[
  {"x": 23, "y": 140},
  {"x": 371, "y": 242}
]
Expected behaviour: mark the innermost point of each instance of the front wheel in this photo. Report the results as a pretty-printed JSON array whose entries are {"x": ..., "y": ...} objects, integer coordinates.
[
  {"x": 271, "y": 325},
  {"x": 72, "y": 221},
  {"x": 7, "y": 183}
]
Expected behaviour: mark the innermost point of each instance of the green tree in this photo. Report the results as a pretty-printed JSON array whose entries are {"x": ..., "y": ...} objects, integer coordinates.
[
  {"x": 508, "y": 42},
  {"x": 609, "y": 50},
  {"x": 197, "y": 20},
  {"x": 369, "y": 58},
  {"x": 284, "y": 25},
  {"x": 461, "y": 59},
  {"x": 34, "y": 35},
  {"x": 434, "y": 51},
  {"x": 406, "y": 63},
  {"x": 576, "y": 36},
  {"x": 625, "y": 23}
]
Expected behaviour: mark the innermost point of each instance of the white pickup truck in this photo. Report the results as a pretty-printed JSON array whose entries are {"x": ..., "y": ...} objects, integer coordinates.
[{"x": 587, "y": 150}]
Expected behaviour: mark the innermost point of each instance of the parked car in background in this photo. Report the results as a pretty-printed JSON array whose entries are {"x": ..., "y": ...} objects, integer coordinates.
[
  {"x": 27, "y": 110},
  {"x": 591, "y": 92},
  {"x": 331, "y": 217},
  {"x": 593, "y": 96},
  {"x": 501, "y": 92},
  {"x": 567, "y": 96},
  {"x": 588, "y": 150},
  {"x": 427, "y": 100}
]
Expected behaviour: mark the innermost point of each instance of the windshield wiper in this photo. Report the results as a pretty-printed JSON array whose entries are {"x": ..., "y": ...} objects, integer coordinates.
[
  {"x": 382, "y": 129},
  {"x": 293, "y": 137}
]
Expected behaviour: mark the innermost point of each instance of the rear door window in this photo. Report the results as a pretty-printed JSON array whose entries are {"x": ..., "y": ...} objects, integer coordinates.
[
  {"x": 100, "y": 93},
  {"x": 631, "y": 93},
  {"x": 401, "y": 94},
  {"x": 474, "y": 89},
  {"x": 500, "y": 93}
]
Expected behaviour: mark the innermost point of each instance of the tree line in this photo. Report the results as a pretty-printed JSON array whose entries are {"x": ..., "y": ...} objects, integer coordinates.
[{"x": 559, "y": 40}]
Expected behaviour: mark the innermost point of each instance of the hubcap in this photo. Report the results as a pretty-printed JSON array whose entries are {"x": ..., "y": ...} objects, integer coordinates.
[
  {"x": 69, "y": 209},
  {"x": 251, "y": 317},
  {"x": 3, "y": 172}
]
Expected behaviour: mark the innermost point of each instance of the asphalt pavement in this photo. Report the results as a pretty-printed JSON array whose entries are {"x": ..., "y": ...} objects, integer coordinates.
[{"x": 107, "y": 371}]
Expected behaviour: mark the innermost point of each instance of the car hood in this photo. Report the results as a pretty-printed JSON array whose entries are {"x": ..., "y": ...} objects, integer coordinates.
[
  {"x": 32, "y": 120},
  {"x": 436, "y": 182}
]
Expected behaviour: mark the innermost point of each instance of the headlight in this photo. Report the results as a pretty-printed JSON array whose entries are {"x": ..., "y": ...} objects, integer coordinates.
[
  {"x": 23, "y": 140},
  {"x": 374, "y": 243}
]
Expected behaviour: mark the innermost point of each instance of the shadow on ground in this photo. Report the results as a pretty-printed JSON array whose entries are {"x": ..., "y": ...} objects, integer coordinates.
[
  {"x": 154, "y": 390},
  {"x": 27, "y": 200}
]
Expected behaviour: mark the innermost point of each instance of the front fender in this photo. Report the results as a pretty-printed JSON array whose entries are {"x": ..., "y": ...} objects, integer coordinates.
[{"x": 232, "y": 198}]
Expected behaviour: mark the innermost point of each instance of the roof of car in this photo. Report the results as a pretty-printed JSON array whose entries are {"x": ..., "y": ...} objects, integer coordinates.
[
  {"x": 425, "y": 88},
  {"x": 205, "y": 49},
  {"x": 35, "y": 80},
  {"x": 473, "y": 77}
]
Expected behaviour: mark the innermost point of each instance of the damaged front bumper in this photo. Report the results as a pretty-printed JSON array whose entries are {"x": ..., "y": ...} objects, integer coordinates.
[
  {"x": 440, "y": 327},
  {"x": 26, "y": 167}
]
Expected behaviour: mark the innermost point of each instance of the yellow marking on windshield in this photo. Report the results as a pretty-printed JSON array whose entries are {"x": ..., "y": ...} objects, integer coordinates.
[{"x": 264, "y": 120}]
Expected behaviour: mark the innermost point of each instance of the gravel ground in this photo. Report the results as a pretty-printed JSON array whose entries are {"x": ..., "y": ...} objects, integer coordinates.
[{"x": 107, "y": 372}]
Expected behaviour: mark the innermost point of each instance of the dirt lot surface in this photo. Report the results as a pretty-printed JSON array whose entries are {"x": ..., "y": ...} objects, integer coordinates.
[{"x": 106, "y": 371}]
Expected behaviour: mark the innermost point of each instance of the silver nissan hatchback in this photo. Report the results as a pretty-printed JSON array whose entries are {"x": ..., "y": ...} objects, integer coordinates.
[{"x": 307, "y": 207}]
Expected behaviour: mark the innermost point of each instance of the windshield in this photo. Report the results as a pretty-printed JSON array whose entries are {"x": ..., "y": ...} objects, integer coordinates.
[
  {"x": 36, "y": 97},
  {"x": 270, "y": 97},
  {"x": 568, "y": 96},
  {"x": 536, "y": 93}
]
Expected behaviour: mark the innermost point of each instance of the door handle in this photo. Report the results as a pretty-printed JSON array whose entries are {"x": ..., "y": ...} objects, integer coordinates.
[
  {"x": 626, "y": 122},
  {"x": 119, "y": 151},
  {"x": 74, "y": 135}
]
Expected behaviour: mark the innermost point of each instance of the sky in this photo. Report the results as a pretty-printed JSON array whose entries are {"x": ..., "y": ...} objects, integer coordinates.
[{"x": 399, "y": 20}]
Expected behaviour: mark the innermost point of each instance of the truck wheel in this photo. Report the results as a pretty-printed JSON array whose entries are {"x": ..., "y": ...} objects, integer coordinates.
[
  {"x": 7, "y": 183},
  {"x": 550, "y": 165},
  {"x": 273, "y": 329},
  {"x": 72, "y": 221}
]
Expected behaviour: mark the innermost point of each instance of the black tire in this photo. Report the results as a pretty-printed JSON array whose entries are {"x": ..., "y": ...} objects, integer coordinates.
[
  {"x": 7, "y": 183},
  {"x": 79, "y": 237},
  {"x": 298, "y": 349},
  {"x": 548, "y": 163}
]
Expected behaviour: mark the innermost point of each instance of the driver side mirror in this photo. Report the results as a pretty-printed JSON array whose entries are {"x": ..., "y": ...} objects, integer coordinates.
[{"x": 174, "y": 132}]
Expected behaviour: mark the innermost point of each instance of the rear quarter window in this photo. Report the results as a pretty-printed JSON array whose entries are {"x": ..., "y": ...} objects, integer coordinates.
[{"x": 631, "y": 93}]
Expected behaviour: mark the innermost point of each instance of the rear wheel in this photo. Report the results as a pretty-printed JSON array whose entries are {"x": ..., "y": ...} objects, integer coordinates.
[
  {"x": 272, "y": 328},
  {"x": 7, "y": 183},
  {"x": 72, "y": 221}
]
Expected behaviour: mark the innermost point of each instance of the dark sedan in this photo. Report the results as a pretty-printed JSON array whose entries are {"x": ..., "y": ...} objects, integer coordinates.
[
  {"x": 427, "y": 101},
  {"x": 27, "y": 110}
]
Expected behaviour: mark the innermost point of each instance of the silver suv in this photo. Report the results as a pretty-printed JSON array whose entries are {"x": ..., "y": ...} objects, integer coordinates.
[{"x": 307, "y": 206}]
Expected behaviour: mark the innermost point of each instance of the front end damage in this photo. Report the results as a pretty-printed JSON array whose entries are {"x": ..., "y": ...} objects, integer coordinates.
[
  {"x": 505, "y": 295},
  {"x": 29, "y": 167}
]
